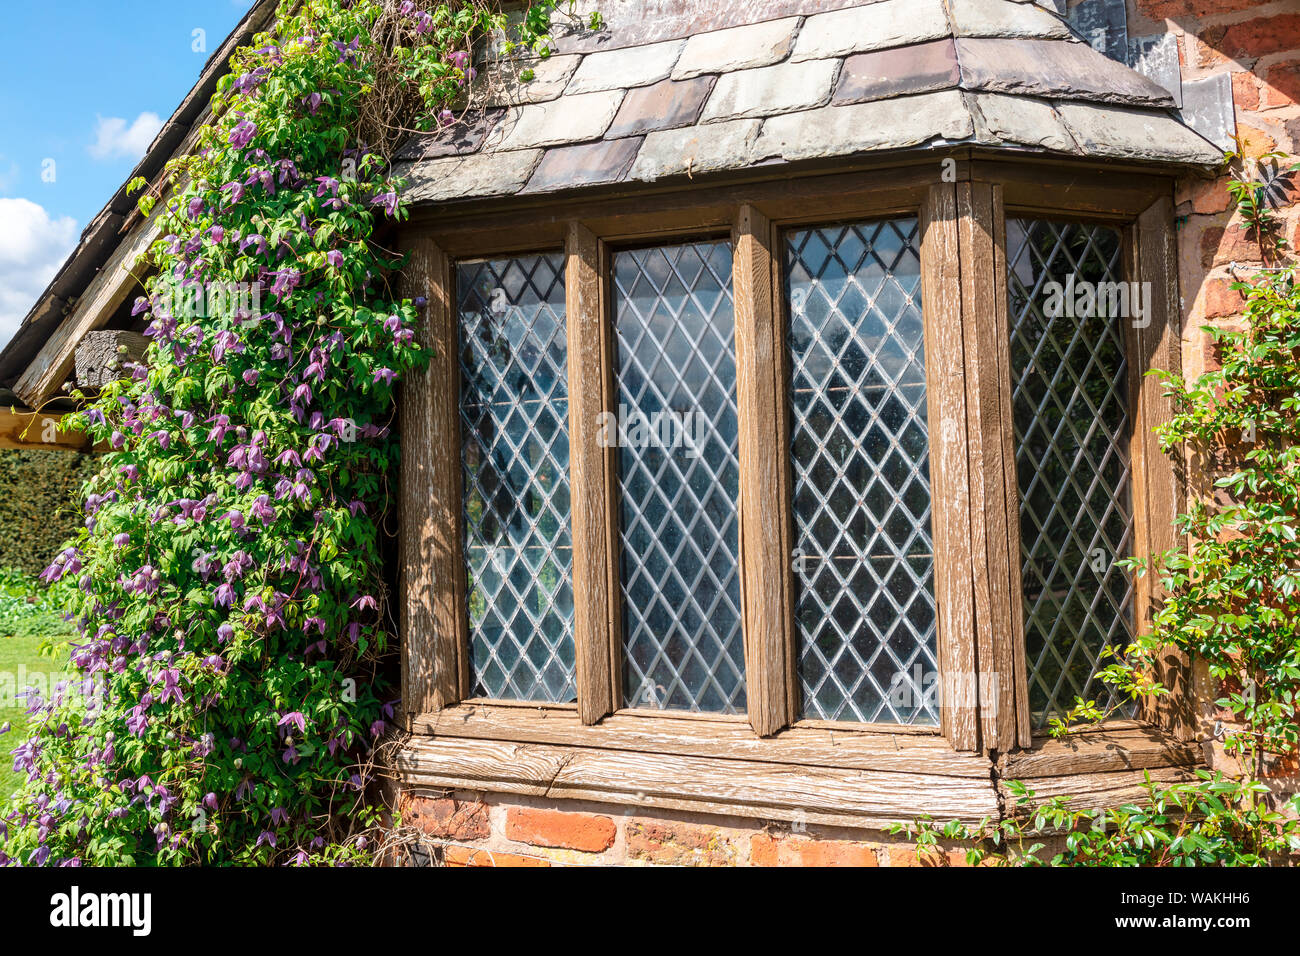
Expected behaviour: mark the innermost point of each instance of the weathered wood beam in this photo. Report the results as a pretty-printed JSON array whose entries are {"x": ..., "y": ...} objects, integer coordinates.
[
  {"x": 731, "y": 787},
  {"x": 594, "y": 479},
  {"x": 102, "y": 355},
  {"x": 764, "y": 558},
  {"x": 945, "y": 364},
  {"x": 53, "y": 364},
  {"x": 23, "y": 429},
  {"x": 995, "y": 494},
  {"x": 1158, "y": 490},
  {"x": 433, "y": 620}
]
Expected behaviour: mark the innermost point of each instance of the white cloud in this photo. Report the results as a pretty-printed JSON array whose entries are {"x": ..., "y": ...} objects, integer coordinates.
[
  {"x": 115, "y": 137},
  {"x": 32, "y": 247}
]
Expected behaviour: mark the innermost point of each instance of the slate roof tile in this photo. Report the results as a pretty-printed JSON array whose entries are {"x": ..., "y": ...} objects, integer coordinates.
[
  {"x": 880, "y": 74},
  {"x": 623, "y": 69},
  {"x": 874, "y": 26},
  {"x": 771, "y": 89},
  {"x": 666, "y": 105},
  {"x": 696, "y": 149},
  {"x": 1124, "y": 132},
  {"x": 591, "y": 164},
  {"x": 1023, "y": 121},
  {"x": 481, "y": 175},
  {"x": 1052, "y": 68},
  {"x": 737, "y": 48},
  {"x": 502, "y": 86},
  {"x": 464, "y": 136},
  {"x": 570, "y": 119},
  {"x": 1006, "y": 18},
  {"x": 864, "y": 127}
]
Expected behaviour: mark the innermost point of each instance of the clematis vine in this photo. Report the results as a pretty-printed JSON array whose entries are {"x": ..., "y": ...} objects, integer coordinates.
[{"x": 230, "y": 588}]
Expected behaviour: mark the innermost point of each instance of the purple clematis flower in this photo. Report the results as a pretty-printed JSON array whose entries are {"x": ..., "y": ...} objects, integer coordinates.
[
  {"x": 286, "y": 281},
  {"x": 243, "y": 134},
  {"x": 296, "y": 719},
  {"x": 263, "y": 509}
]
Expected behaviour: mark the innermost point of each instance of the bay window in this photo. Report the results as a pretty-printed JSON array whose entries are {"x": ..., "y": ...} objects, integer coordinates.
[{"x": 801, "y": 475}]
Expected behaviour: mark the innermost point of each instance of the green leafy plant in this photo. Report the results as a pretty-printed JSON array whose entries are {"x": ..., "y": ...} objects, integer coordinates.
[
  {"x": 27, "y": 609},
  {"x": 1257, "y": 196},
  {"x": 228, "y": 587},
  {"x": 40, "y": 504},
  {"x": 1212, "y": 821}
]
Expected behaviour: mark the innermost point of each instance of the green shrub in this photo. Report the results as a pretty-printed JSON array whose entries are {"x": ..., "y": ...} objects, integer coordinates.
[{"x": 40, "y": 504}]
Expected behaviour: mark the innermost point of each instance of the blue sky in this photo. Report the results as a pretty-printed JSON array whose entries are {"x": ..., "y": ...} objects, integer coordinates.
[{"x": 84, "y": 85}]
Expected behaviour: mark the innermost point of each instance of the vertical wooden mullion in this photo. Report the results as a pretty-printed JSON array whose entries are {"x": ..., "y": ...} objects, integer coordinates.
[
  {"x": 785, "y": 472},
  {"x": 994, "y": 504},
  {"x": 949, "y": 465},
  {"x": 1156, "y": 484},
  {"x": 434, "y": 626},
  {"x": 764, "y": 560},
  {"x": 1011, "y": 480},
  {"x": 593, "y": 478},
  {"x": 975, "y": 255}
]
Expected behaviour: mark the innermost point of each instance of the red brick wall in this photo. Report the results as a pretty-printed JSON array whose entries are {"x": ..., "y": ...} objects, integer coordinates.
[
  {"x": 479, "y": 829},
  {"x": 1259, "y": 44}
]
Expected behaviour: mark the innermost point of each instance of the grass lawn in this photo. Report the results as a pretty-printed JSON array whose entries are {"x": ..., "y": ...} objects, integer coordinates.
[
  {"x": 17, "y": 655},
  {"x": 23, "y": 625}
]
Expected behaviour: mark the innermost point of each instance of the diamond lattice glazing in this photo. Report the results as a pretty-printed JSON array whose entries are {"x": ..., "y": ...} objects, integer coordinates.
[
  {"x": 864, "y": 561},
  {"x": 678, "y": 472},
  {"x": 514, "y": 411},
  {"x": 1069, "y": 382}
]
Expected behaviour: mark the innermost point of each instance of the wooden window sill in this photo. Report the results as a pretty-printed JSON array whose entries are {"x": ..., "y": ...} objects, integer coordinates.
[
  {"x": 1098, "y": 767},
  {"x": 808, "y": 774}
]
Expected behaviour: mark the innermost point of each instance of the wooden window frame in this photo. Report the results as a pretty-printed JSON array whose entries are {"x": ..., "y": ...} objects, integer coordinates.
[{"x": 606, "y": 751}]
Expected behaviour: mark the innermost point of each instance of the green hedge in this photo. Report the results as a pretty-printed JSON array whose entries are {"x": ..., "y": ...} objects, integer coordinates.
[{"x": 39, "y": 504}]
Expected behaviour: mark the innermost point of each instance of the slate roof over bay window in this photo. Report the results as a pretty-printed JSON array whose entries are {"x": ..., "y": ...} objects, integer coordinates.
[{"x": 729, "y": 84}]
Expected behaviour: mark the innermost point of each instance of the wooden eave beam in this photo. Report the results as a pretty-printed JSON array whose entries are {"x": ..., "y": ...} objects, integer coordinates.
[{"x": 24, "y": 429}]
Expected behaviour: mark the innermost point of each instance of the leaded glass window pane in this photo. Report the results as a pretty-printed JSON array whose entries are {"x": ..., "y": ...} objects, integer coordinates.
[
  {"x": 864, "y": 558},
  {"x": 679, "y": 479},
  {"x": 1070, "y": 385},
  {"x": 514, "y": 408}
]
